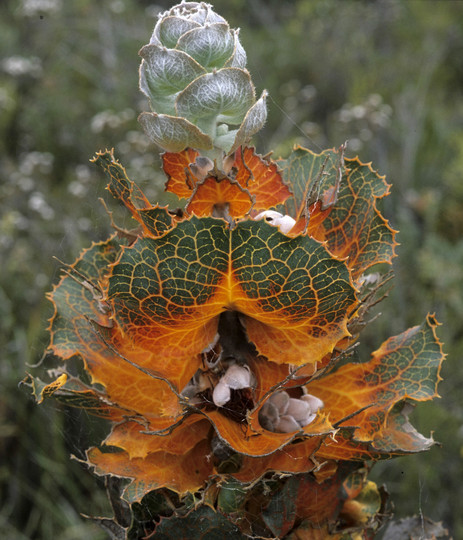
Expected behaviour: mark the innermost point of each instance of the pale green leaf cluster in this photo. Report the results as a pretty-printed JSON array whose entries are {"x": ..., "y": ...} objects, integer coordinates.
[{"x": 194, "y": 73}]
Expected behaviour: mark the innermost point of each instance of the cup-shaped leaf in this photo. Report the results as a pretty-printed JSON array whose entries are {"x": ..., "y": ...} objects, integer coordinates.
[
  {"x": 172, "y": 133},
  {"x": 164, "y": 73},
  {"x": 221, "y": 96},
  {"x": 211, "y": 46},
  {"x": 253, "y": 121}
]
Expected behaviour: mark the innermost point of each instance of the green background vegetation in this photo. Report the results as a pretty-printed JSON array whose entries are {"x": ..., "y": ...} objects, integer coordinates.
[{"x": 386, "y": 75}]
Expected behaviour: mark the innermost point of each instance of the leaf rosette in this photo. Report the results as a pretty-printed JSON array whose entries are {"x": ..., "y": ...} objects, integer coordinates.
[{"x": 204, "y": 337}]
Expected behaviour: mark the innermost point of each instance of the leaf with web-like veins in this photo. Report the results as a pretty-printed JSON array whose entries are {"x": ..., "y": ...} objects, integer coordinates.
[
  {"x": 252, "y": 183},
  {"x": 405, "y": 367},
  {"x": 339, "y": 198},
  {"x": 82, "y": 326},
  {"x": 167, "y": 294},
  {"x": 154, "y": 220},
  {"x": 182, "y": 473}
]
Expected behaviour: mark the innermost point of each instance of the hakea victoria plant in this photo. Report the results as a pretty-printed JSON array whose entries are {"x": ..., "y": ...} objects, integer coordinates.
[{"x": 217, "y": 340}]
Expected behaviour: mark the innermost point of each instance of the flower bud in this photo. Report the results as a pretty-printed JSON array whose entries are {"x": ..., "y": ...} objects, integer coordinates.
[
  {"x": 193, "y": 72},
  {"x": 298, "y": 409},
  {"x": 280, "y": 400}
]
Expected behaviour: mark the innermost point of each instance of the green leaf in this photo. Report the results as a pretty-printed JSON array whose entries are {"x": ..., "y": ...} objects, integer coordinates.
[
  {"x": 346, "y": 216},
  {"x": 405, "y": 367},
  {"x": 167, "y": 292},
  {"x": 222, "y": 96},
  {"x": 119, "y": 184},
  {"x": 155, "y": 220},
  {"x": 203, "y": 523},
  {"x": 164, "y": 73},
  {"x": 211, "y": 45},
  {"x": 280, "y": 514},
  {"x": 171, "y": 28},
  {"x": 172, "y": 133},
  {"x": 232, "y": 496},
  {"x": 77, "y": 299},
  {"x": 254, "y": 121},
  {"x": 308, "y": 175}
]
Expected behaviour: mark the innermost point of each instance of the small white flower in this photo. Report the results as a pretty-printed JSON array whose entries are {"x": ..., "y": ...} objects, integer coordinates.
[
  {"x": 283, "y": 414},
  {"x": 287, "y": 424},
  {"x": 235, "y": 378},
  {"x": 314, "y": 402},
  {"x": 221, "y": 394},
  {"x": 280, "y": 400},
  {"x": 298, "y": 409},
  {"x": 284, "y": 222}
]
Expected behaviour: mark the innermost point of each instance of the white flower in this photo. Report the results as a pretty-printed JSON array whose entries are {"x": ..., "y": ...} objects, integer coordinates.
[
  {"x": 284, "y": 222},
  {"x": 284, "y": 414},
  {"x": 235, "y": 378}
]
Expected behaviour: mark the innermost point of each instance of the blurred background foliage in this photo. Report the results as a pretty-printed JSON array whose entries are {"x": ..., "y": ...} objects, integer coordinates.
[{"x": 386, "y": 75}]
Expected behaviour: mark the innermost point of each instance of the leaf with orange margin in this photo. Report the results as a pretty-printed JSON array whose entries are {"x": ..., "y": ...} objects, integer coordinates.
[
  {"x": 341, "y": 197},
  {"x": 405, "y": 367},
  {"x": 310, "y": 176},
  {"x": 399, "y": 436},
  {"x": 293, "y": 458},
  {"x": 342, "y": 446},
  {"x": 138, "y": 442},
  {"x": 74, "y": 393},
  {"x": 353, "y": 227},
  {"x": 261, "y": 178},
  {"x": 182, "y": 473},
  {"x": 180, "y": 179},
  {"x": 167, "y": 294},
  {"x": 78, "y": 327},
  {"x": 213, "y": 193},
  {"x": 41, "y": 390},
  {"x": 155, "y": 220}
]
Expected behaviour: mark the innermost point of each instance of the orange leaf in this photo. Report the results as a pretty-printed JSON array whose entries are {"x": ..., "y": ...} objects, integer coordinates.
[
  {"x": 181, "y": 180},
  {"x": 138, "y": 442},
  {"x": 252, "y": 182},
  {"x": 293, "y": 458},
  {"x": 82, "y": 325},
  {"x": 255, "y": 441},
  {"x": 212, "y": 193},
  {"x": 167, "y": 294},
  {"x": 261, "y": 178},
  {"x": 182, "y": 473},
  {"x": 405, "y": 367}
]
